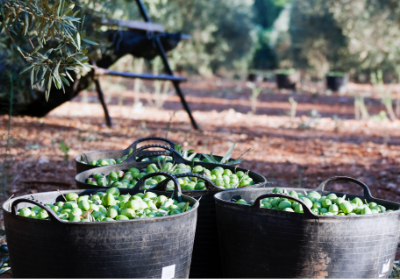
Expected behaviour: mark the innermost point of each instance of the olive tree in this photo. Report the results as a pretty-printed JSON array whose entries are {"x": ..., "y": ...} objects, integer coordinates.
[{"x": 344, "y": 35}]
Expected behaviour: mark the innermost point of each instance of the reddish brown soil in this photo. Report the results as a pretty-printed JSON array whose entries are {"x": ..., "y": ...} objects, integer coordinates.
[
  {"x": 281, "y": 146},
  {"x": 289, "y": 152}
]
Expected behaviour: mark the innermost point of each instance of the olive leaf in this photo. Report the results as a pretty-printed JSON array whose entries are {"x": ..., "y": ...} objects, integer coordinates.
[
  {"x": 185, "y": 154},
  {"x": 228, "y": 154},
  {"x": 163, "y": 166},
  {"x": 241, "y": 179},
  {"x": 184, "y": 209},
  {"x": 62, "y": 195},
  {"x": 89, "y": 216},
  {"x": 38, "y": 22},
  {"x": 226, "y": 158},
  {"x": 87, "y": 213},
  {"x": 210, "y": 158}
]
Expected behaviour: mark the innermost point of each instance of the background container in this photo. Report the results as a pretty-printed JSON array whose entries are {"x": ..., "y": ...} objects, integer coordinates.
[
  {"x": 337, "y": 83},
  {"x": 206, "y": 257},
  {"x": 287, "y": 81},
  {"x": 266, "y": 243},
  {"x": 81, "y": 178},
  {"x": 142, "y": 248}
]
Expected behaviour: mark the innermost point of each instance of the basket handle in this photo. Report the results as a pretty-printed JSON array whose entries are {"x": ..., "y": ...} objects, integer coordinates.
[
  {"x": 51, "y": 213},
  {"x": 175, "y": 156},
  {"x": 367, "y": 192},
  {"x": 154, "y": 138},
  {"x": 162, "y": 186},
  {"x": 307, "y": 211},
  {"x": 209, "y": 184}
]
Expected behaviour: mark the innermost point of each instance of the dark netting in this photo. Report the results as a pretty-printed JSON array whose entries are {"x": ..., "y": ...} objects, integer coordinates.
[{"x": 142, "y": 44}]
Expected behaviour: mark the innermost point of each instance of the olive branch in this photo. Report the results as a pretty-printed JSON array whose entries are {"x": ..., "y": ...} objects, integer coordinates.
[{"x": 47, "y": 21}]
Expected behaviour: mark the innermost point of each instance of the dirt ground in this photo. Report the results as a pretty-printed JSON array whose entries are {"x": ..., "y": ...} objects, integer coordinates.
[
  {"x": 303, "y": 150},
  {"x": 289, "y": 151}
]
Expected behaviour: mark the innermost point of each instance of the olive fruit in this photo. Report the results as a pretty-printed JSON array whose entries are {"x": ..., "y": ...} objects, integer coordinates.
[
  {"x": 330, "y": 205},
  {"x": 71, "y": 196},
  {"x": 121, "y": 218},
  {"x": 25, "y": 212},
  {"x": 346, "y": 207}
]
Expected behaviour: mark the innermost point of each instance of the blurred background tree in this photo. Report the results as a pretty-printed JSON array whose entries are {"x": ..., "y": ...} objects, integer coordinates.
[
  {"x": 317, "y": 42},
  {"x": 317, "y": 36},
  {"x": 358, "y": 36},
  {"x": 266, "y": 13},
  {"x": 222, "y": 32},
  {"x": 40, "y": 46}
]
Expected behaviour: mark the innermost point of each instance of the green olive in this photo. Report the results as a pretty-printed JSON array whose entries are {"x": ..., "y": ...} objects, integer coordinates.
[
  {"x": 323, "y": 210},
  {"x": 334, "y": 209},
  {"x": 121, "y": 218},
  {"x": 71, "y": 196},
  {"x": 331, "y": 196},
  {"x": 133, "y": 204},
  {"x": 298, "y": 208},
  {"x": 108, "y": 200},
  {"x": 112, "y": 213},
  {"x": 314, "y": 194},
  {"x": 317, "y": 205},
  {"x": 70, "y": 205},
  {"x": 371, "y": 205},
  {"x": 346, "y": 207},
  {"x": 326, "y": 203},
  {"x": 266, "y": 205},
  {"x": 284, "y": 205},
  {"x": 357, "y": 201},
  {"x": 25, "y": 212},
  {"x": 307, "y": 202},
  {"x": 293, "y": 193},
  {"x": 366, "y": 211},
  {"x": 315, "y": 210},
  {"x": 277, "y": 190},
  {"x": 242, "y": 201},
  {"x": 84, "y": 205}
]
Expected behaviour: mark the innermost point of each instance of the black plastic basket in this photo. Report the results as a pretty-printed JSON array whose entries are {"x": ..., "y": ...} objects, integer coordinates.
[
  {"x": 206, "y": 256},
  {"x": 287, "y": 81},
  {"x": 265, "y": 243},
  {"x": 143, "y": 248},
  {"x": 337, "y": 83}
]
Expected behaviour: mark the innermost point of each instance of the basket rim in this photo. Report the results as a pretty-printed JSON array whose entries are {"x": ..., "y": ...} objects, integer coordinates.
[
  {"x": 8, "y": 204},
  {"x": 374, "y": 215},
  {"x": 126, "y": 166}
]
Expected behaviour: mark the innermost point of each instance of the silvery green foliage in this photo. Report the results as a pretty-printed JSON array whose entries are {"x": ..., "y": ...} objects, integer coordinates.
[
  {"x": 48, "y": 40},
  {"x": 49, "y": 36}
]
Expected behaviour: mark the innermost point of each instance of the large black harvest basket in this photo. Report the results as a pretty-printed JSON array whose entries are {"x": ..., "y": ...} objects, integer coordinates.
[
  {"x": 265, "y": 243},
  {"x": 140, "y": 248}
]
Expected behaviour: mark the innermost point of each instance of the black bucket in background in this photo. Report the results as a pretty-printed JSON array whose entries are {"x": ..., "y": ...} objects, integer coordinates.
[
  {"x": 266, "y": 243},
  {"x": 142, "y": 248},
  {"x": 255, "y": 77},
  {"x": 287, "y": 81},
  {"x": 337, "y": 83}
]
